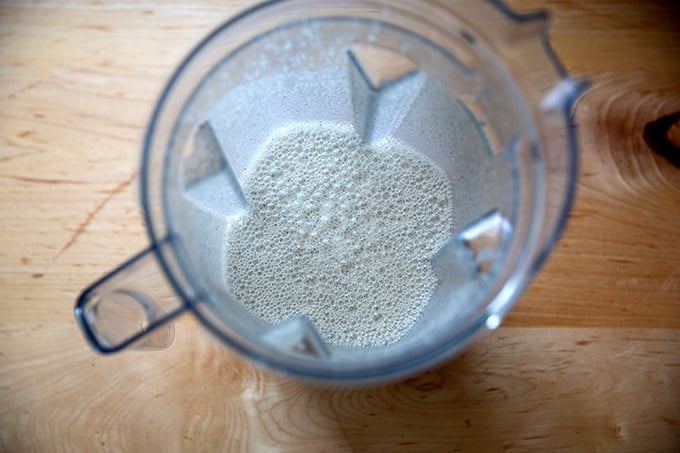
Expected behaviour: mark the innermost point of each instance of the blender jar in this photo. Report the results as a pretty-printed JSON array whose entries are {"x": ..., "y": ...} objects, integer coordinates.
[{"x": 473, "y": 86}]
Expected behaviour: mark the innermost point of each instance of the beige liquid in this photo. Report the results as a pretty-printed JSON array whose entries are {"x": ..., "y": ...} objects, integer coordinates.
[{"x": 339, "y": 231}]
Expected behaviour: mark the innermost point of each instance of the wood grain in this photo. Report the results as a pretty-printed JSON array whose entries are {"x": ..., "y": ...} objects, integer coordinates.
[
  {"x": 515, "y": 389},
  {"x": 628, "y": 201},
  {"x": 588, "y": 359}
]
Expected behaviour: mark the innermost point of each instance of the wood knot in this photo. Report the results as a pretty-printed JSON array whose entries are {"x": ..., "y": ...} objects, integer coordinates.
[
  {"x": 663, "y": 136},
  {"x": 426, "y": 382}
]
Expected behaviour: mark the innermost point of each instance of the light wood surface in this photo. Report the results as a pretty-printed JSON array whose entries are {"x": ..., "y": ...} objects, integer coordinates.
[{"x": 589, "y": 359}]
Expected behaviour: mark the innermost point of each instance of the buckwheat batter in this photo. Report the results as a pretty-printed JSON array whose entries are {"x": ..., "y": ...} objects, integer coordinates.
[{"x": 340, "y": 231}]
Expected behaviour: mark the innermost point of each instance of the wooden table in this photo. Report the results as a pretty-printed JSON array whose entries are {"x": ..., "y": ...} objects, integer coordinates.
[{"x": 588, "y": 360}]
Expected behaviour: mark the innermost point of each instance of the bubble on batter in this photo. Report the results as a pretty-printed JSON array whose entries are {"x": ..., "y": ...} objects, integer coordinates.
[{"x": 339, "y": 231}]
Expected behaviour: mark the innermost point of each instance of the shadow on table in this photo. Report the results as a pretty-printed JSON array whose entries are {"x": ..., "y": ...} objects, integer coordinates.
[{"x": 475, "y": 401}]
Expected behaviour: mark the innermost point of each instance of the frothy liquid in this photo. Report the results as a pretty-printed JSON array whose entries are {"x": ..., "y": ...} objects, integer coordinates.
[{"x": 339, "y": 231}]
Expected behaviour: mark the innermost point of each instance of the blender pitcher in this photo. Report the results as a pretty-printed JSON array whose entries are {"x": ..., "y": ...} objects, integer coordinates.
[{"x": 473, "y": 86}]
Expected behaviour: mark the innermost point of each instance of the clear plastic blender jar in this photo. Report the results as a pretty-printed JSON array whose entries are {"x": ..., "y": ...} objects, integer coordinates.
[{"x": 473, "y": 86}]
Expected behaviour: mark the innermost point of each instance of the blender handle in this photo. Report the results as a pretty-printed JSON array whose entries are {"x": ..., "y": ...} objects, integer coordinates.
[{"x": 130, "y": 306}]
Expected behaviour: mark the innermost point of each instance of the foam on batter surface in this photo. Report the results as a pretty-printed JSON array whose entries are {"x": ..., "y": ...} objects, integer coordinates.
[{"x": 340, "y": 231}]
